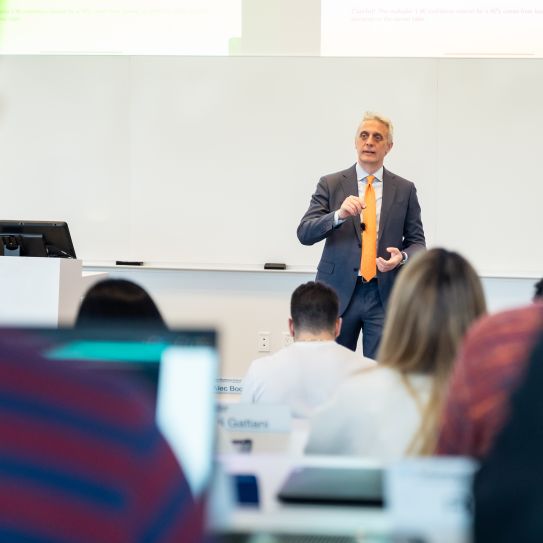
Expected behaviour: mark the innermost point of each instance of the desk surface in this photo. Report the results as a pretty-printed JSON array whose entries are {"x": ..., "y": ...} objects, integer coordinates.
[{"x": 274, "y": 516}]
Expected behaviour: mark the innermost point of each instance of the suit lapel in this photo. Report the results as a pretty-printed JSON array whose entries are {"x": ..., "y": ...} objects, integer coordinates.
[
  {"x": 389, "y": 193},
  {"x": 350, "y": 188}
]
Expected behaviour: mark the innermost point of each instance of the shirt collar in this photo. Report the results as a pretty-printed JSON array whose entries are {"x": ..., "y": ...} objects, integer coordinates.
[{"x": 361, "y": 174}]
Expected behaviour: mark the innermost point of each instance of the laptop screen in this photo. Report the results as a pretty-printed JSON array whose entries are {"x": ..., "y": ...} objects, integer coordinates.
[
  {"x": 186, "y": 409},
  {"x": 176, "y": 370}
]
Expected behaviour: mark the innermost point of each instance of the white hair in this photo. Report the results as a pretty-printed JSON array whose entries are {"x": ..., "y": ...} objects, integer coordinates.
[{"x": 370, "y": 116}]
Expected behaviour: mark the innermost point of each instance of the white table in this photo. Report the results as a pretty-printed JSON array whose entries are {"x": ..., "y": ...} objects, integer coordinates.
[{"x": 276, "y": 517}]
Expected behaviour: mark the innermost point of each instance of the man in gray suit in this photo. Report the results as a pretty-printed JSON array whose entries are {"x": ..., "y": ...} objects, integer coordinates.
[{"x": 338, "y": 213}]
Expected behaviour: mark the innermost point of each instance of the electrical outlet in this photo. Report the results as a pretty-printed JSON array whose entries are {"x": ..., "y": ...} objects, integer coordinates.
[
  {"x": 264, "y": 342},
  {"x": 287, "y": 339}
]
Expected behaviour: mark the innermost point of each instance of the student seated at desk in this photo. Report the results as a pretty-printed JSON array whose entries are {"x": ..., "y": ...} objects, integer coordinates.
[
  {"x": 392, "y": 410},
  {"x": 488, "y": 369},
  {"x": 82, "y": 458},
  {"x": 306, "y": 373},
  {"x": 118, "y": 300},
  {"x": 508, "y": 488}
]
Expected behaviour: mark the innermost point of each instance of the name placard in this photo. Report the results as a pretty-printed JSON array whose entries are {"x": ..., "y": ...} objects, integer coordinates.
[
  {"x": 228, "y": 386},
  {"x": 248, "y": 417}
]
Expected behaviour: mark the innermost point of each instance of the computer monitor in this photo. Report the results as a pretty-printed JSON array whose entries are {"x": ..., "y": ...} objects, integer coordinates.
[
  {"x": 176, "y": 369},
  {"x": 36, "y": 238}
]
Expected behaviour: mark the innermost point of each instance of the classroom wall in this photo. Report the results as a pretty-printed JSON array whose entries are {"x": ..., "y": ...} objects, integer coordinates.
[
  {"x": 207, "y": 164},
  {"x": 241, "y": 304},
  {"x": 211, "y": 161}
]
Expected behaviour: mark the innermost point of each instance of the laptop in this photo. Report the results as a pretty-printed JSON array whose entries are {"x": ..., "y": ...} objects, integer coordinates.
[{"x": 334, "y": 486}]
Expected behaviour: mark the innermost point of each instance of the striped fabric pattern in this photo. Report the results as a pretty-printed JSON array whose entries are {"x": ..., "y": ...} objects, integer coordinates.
[
  {"x": 81, "y": 460},
  {"x": 489, "y": 368}
]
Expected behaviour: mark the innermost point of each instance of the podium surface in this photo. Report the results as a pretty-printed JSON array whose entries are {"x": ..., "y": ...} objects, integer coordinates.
[{"x": 39, "y": 291}]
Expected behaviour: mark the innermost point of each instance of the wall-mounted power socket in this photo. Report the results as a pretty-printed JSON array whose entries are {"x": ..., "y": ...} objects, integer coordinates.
[{"x": 263, "y": 342}]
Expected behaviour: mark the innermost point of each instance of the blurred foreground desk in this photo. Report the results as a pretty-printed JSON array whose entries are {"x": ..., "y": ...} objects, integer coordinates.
[
  {"x": 272, "y": 516},
  {"x": 427, "y": 501}
]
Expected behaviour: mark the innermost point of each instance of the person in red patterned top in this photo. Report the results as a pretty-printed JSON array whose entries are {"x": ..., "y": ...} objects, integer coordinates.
[
  {"x": 82, "y": 459},
  {"x": 489, "y": 367}
]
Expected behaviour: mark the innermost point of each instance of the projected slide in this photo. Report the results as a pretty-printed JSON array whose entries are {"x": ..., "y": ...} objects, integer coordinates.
[
  {"x": 131, "y": 27},
  {"x": 438, "y": 28}
]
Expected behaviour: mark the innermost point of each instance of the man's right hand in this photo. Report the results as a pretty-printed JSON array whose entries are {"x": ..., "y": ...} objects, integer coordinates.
[{"x": 352, "y": 205}]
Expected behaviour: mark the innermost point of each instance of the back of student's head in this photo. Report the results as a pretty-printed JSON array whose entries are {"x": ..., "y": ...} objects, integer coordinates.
[
  {"x": 118, "y": 301},
  {"x": 538, "y": 291},
  {"x": 314, "y": 307},
  {"x": 434, "y": 301}
]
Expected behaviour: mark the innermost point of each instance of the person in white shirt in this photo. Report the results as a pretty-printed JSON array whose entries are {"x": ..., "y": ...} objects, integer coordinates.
[
  {"x": 306, "y": 373},
  {"x": 392, "y": 410}
]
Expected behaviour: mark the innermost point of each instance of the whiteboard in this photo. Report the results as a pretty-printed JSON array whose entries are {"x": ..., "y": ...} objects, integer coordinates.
[{"x": 211, "y": 161}]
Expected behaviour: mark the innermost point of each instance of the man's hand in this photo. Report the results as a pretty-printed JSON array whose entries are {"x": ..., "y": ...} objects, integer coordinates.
[
  {"x": 352, "y": 205},
  {"x": 394, "y": 261}
]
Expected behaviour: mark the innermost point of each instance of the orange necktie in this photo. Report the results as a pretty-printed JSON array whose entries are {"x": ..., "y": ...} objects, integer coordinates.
[{"x": 369, "y": 235}]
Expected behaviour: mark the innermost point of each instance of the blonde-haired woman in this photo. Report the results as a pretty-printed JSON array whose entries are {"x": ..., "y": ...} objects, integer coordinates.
[{"x": 392, "y": 410}]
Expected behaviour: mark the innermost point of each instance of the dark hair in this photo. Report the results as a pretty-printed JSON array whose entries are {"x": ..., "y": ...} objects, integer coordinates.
[
  {"x": 118, "y": 300},
  {"x": 314, "y": 307},
  {"x": 538, "y": 289}
]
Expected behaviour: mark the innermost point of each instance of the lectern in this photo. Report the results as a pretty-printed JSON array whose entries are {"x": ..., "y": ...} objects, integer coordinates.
[{"x": 39, "y": 291}]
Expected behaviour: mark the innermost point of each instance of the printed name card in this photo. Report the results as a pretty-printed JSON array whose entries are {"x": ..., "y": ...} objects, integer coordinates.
[
  {"x": 248, "y": 417},
  {"x": 228, "y": 386}
]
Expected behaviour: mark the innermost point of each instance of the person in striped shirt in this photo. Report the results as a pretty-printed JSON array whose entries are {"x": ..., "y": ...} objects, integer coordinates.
[
  {"x": 487, "y": 371},
  {"x": 82, "y": 459}
]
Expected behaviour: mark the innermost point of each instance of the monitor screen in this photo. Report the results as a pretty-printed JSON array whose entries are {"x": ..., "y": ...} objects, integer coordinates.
[{"x": 36, "y": 238}]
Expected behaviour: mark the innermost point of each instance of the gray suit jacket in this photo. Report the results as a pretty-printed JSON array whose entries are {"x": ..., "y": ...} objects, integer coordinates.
[{"x": 399, "y": 226}]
